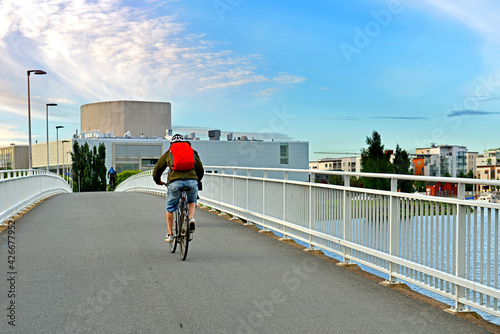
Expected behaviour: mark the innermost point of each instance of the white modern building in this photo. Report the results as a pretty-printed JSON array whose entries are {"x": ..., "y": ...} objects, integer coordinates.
[
  {"x": 346, "y": 164},
  {"x": 134, "y": 134},
  {"x": 442, "y": 159},
  {"x": 142, "y": 153}
]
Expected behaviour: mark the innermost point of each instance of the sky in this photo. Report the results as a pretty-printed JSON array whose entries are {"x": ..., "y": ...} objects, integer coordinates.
[{"x": 329, "y": 72}]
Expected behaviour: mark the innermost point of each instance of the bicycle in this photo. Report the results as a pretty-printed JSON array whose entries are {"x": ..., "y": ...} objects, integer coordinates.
[{"x": 180, "y": 229}]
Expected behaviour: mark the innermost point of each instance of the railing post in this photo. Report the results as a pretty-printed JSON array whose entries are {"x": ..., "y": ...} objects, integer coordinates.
[
  {"x": 393, "y": 229},
  {"x": 247, "y": 197},
  {"x": 234, "y": 189},
  {"x": 310, "y": 211},
  {"x": 264, "y": 200},
  {"x": 285, "y": 177},
  {"x": 460, "y": 248},
  {"x": 347, "y": 218},
  {"x": 223, "y": 172}
]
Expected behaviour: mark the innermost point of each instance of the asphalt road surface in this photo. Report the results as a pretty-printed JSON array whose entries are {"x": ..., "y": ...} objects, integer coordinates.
[{"x": 97, "y": 263}]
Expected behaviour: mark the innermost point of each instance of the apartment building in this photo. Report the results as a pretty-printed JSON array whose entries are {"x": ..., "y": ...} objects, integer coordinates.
[
  {"x": 346, "y": 164},
  {"x": 488, "y": 166},
  {"x": 439, "y": 160}
]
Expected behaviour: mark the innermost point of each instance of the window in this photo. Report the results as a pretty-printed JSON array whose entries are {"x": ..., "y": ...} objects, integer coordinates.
[
  {"x": 148, "y": 163},
  {"x": 120, "y": 167},
  {"x": 284, "y": 154}
]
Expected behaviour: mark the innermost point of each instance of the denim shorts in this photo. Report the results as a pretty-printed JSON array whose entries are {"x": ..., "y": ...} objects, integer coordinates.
[{"x": 174, "y": 194}]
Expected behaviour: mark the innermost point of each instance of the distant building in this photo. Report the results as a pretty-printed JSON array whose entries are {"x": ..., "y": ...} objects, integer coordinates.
[
  {"x": 441, "y": 189},
  {"x": 138, "y": 153},
  {"x": 471, "y": 158},
  {"x": 14, "y": 157},
  {"x": 488, "y": 167},
  {"x": 419, "y": 166},
  {"x": 135, "y": 135},
  {"x": 439, "y": 160},
  {"x": 135, "y": 118},
  {"x": 347, "y": 164}
]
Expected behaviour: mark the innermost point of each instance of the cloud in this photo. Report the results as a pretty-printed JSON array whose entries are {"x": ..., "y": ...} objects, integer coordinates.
[
  {"x": 289, "y": 79},
  {"x": 103, "y": 50},
  {"x": 267, "y": 93},
  {"x": 11, "y": 134},
  {"x": 458, "y": 113},
  {"x": 352, "y": 118},
  {"x": 400, "y": 117},
  {"x": 482, "y": 16},
  {"x": 485, "y": 98}
]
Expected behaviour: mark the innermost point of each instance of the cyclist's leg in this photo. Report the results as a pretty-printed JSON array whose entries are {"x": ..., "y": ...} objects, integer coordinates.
[
  {"x": 192, "y": 195},
  {"x": 173, "y": 195}
]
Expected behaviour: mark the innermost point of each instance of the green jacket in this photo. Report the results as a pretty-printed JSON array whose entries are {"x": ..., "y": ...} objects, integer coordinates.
[{"x": 164, "y": 162}]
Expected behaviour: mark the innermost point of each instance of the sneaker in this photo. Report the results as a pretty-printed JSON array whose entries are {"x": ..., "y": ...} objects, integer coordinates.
[
  {"x": 192, "y": 225},
  {"x": 169, "y": 238}
]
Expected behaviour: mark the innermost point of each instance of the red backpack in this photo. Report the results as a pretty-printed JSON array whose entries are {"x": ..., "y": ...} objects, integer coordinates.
[{"x": 182, "y": 156}]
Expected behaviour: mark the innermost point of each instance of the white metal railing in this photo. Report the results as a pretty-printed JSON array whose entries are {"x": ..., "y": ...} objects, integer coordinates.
[
  {"x": 142, "y": 182},
  {"x": 445, "y": 245},
  {"x": 21, "y": 187}
]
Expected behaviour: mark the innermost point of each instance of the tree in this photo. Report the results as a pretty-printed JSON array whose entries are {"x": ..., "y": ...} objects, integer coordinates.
[
  {"x": 89, "y": 167},
  {"x": 402, "y": 165},
  {"x": 469, "y": 175},
  {"x": 336, "y": 180},
  {"x": 375, "y": 160}
]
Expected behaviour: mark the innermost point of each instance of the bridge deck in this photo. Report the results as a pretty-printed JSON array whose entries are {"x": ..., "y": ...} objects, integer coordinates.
[{"x": 97, "y": 263}]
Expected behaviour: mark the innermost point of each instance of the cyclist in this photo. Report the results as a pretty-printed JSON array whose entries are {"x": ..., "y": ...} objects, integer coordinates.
[
  {"x": 112, "y": 177},
  {"x": 181, "y": 175}
]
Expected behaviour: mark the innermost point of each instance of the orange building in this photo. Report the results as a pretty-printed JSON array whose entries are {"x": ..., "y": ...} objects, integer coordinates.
[{"x": 418, "y": 166}]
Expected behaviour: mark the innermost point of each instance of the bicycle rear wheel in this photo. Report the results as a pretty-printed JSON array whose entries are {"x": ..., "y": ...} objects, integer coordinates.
[
  {"x": 184, "y": 234},
  {"x": 175, "y": 228}
]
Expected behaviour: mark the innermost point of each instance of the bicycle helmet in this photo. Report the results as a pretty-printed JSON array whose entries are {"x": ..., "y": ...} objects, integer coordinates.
[{"x": 177, "y": 138}]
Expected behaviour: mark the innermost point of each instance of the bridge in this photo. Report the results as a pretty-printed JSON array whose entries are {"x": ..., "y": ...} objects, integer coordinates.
[{"x": 97, "y": 262}]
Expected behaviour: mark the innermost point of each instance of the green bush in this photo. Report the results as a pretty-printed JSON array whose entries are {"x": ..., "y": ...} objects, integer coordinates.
[{"x": 125, "y": 175}]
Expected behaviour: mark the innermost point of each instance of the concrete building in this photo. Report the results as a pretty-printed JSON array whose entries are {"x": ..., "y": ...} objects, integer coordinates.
[
  {"x": 471, "y": 158},
  {"x": 136, "y": 118},
  {"x": 57, "y": 149},
  {"x": 439, "y": 160},
  {"x": 14, "y": 157},
  {"x": 133, "y": 134}
]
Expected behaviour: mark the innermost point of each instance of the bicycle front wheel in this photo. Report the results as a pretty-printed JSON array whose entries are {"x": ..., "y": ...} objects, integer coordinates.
[
  {"x": 175, "y": 228},
  {"x": 184, "y": 234}
]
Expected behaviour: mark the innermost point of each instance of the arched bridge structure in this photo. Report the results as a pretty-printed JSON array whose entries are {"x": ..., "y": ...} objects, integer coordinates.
[{"x": 97, "y": 262}]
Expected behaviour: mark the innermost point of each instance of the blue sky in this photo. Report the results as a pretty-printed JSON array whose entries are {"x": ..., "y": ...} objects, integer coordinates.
[{"x": 326, "y": 72}]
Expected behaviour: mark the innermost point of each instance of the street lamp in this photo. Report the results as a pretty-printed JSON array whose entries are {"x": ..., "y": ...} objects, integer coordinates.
[
  {"x": 64, "y": 141},
  {"x": 29, "y": 112},
  {"x": 57, "y": 147},
  {"x": 47, "y": 105}
]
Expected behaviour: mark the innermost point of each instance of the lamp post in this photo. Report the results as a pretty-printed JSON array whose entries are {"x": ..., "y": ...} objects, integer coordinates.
[
  {"x": 47, "y": 105},
  {"x": 29, "y": 113},
  {"x": 64, "y": 141},
  {"x": 57, "y": 147}
]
